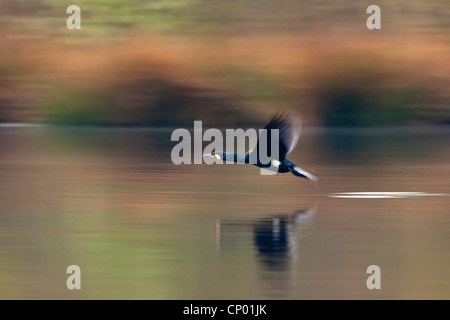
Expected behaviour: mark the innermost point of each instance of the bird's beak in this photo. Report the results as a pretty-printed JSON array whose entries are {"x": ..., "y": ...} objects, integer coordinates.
[{"x": 208, "y": 155}]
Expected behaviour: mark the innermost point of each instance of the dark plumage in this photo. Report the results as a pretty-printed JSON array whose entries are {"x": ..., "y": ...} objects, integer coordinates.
[{"x": 289, "y": 127}]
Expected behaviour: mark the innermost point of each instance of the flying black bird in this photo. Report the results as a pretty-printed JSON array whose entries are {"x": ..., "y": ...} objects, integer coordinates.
[{"x": 289, "y": 127}]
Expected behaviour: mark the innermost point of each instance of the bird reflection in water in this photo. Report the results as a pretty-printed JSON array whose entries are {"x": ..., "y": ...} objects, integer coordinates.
[
  {"x": 276, "y": 240},
  {"x": 275, "y": 237}
]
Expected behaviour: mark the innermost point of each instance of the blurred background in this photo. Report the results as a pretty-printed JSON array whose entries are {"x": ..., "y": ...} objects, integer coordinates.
[
  {"x": 167, "y": 63},
  {"x": 86, "y": 176}
]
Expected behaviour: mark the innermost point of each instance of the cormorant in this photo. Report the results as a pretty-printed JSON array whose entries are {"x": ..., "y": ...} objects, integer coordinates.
[{"x": 289, "y": 126}]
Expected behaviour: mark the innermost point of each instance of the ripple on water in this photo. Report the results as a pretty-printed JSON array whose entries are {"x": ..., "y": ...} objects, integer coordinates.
[{"x": 384, "y": 195}]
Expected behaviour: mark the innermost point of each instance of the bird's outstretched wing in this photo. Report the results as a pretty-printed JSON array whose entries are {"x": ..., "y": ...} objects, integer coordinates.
[{"x": 289, "y": 126}]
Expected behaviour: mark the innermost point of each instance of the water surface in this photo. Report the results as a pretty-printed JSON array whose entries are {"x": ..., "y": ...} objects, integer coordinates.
[{"x": 111, "y": 201}]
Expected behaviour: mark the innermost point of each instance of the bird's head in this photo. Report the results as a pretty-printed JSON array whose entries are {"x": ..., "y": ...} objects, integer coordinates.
[{"x": 219, "y": 155}]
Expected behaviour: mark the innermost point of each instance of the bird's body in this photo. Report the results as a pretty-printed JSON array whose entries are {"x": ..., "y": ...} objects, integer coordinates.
[{"x": 288, "y": 128}]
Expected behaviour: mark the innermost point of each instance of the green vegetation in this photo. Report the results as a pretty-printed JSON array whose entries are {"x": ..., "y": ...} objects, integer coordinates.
[
  {"x": 168, "y": 63},
  {"x": 360, "y": 93},
  {"x": 77, "y": 107}
]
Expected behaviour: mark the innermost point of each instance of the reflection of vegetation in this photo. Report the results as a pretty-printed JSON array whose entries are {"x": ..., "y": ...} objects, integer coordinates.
[{"x": 375, "y": 146}]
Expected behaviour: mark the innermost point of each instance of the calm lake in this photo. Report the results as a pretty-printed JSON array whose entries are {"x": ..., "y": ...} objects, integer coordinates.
[{"x": 112, "y": 202}]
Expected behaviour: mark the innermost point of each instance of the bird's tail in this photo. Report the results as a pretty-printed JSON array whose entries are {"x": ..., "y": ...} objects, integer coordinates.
[{"x": 296, "y": 171}]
